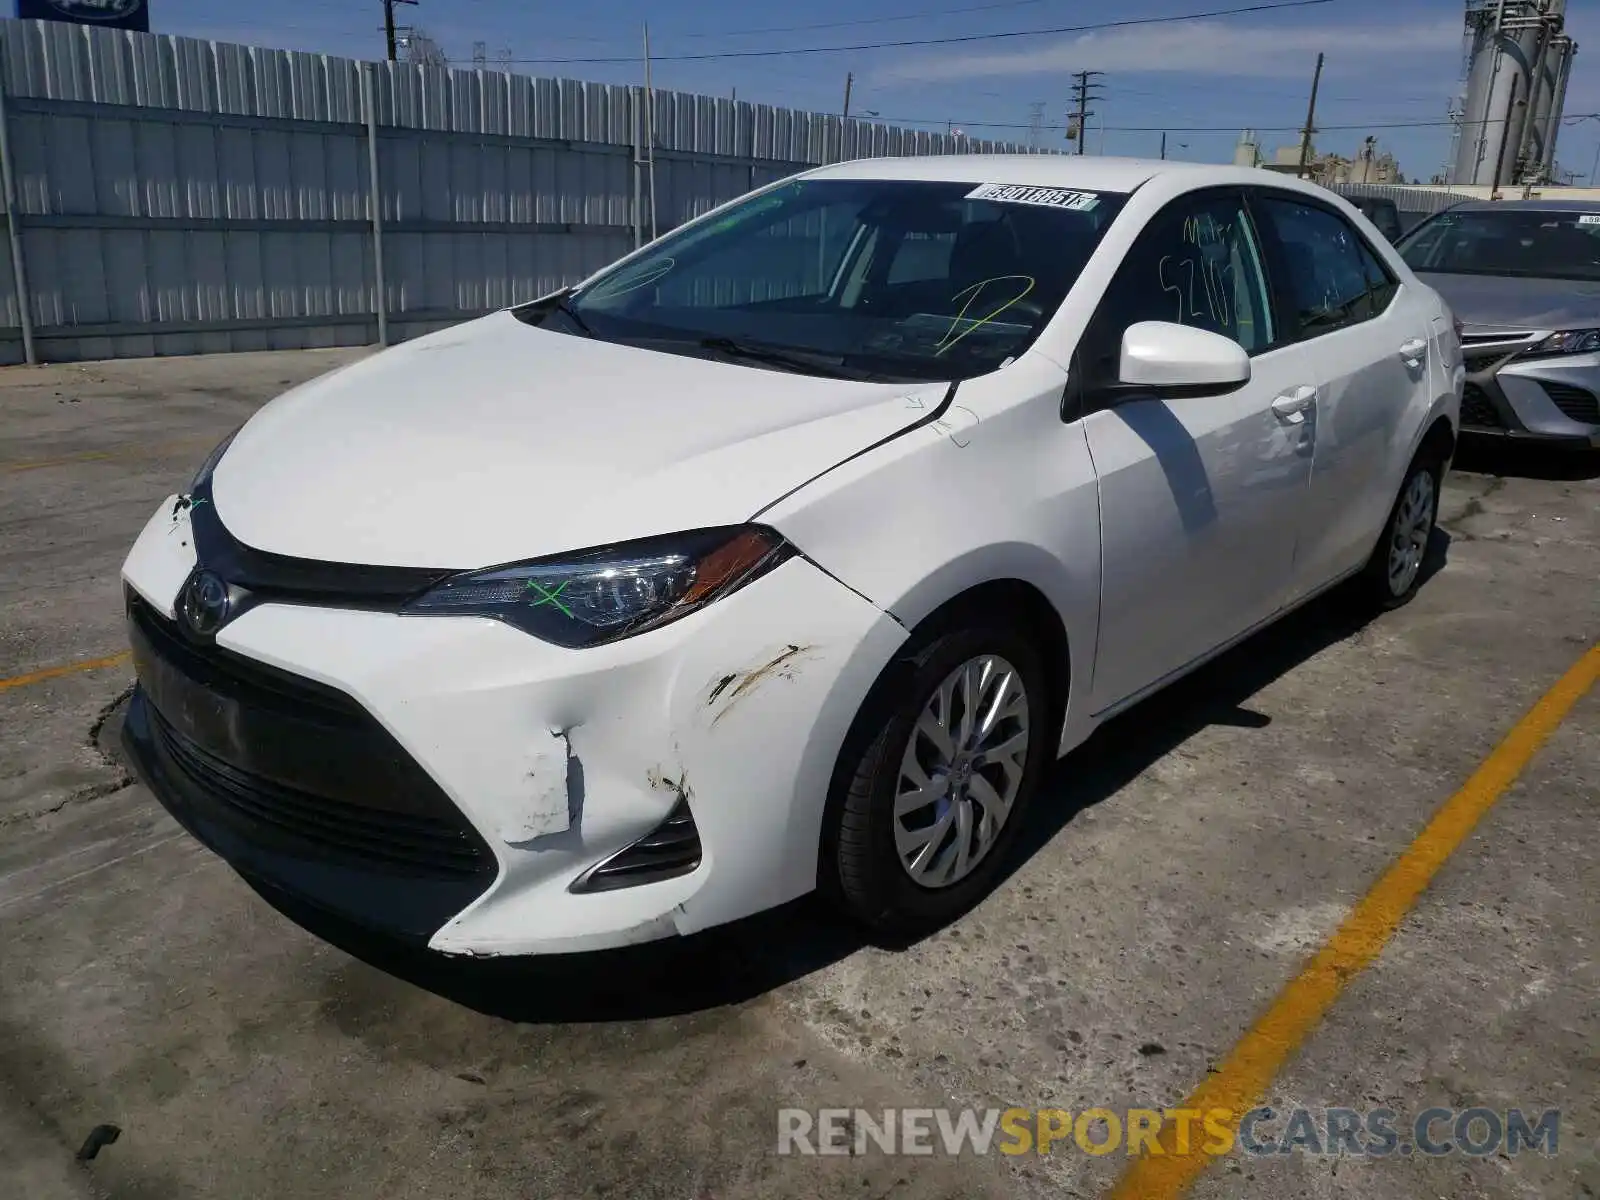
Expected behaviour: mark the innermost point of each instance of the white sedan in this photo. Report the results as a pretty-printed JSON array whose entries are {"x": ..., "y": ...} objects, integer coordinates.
[{"x": 786, "y": 553}]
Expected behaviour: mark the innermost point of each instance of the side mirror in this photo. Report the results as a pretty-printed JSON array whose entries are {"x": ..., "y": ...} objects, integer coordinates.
[{"x": 1170, "y": 361}]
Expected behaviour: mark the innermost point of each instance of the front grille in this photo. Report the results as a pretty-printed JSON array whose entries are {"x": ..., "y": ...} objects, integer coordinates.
[
  {"x": 294, "y": 765},
  {"x": 1574, "y": 402},
  {"x": 669, "y": 850},
  {"x": 345, "y": 585},
  {"x": 1498, "y": 337},
  {"x": 1477, "y": 411}
]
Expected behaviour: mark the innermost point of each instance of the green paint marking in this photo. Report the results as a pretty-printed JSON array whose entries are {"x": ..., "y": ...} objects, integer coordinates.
[{"x": 546, "y": 596}]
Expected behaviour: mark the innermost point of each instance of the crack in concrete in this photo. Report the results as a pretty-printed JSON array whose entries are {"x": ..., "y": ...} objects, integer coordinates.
[{"x": 122, "y": 779}]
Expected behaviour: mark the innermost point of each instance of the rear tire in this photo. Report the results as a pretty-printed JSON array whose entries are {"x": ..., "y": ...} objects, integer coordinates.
[
  {"x": 936, "y": 779},
  {"x": 1394, "y": 572}
]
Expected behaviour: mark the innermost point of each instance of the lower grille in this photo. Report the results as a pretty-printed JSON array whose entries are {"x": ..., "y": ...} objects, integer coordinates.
[
  {"x": 294, "y": 765},
  {"x": 396, "y": 842},
  {"x": 669, "y": 850},
  {"x": 1574, "y": 402},
  {"x": 1477, "y": 411}
]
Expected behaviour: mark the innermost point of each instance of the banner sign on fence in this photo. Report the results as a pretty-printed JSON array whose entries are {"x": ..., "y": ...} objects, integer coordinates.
[{"x": 112, "y": 14}]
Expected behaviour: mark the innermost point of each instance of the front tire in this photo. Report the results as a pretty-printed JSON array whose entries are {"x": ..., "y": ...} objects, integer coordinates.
[
  {"x": 1394, "y": 572},
  {"x": 936, "y": 780}
]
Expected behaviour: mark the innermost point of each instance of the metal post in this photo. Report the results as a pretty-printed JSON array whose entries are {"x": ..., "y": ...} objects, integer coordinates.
[
  {"x": 849, "y": 81},
  {"x": 1163, "y": 147},
  {"x": 638, "y": 169},
  {"x": 375, "y": 201},
  {"x": 650, "y": 128},
  {"x": 19, "y": 269},
  {"x": 1311, "y": 121},
  {"x": 1505, "y": 130}
]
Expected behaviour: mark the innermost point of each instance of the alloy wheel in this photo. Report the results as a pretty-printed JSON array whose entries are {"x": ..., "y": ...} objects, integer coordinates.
[
  {"x": 1408, "y": 539},
  {"x": 961, "y": 771}
]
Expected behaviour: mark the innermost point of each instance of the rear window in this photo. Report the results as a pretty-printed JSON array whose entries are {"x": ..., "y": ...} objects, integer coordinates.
[{"x": 1511, "y": 241}]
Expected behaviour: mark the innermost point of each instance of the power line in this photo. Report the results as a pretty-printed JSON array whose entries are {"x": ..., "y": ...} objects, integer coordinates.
[
  {"x": 1172, "y": 19},
  {"x": 916, "y": 16},
  {"x": 729, "y": 33}
]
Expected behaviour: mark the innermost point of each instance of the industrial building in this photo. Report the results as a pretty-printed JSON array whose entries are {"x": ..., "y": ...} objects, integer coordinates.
[{"x": 1516, "y": 66}]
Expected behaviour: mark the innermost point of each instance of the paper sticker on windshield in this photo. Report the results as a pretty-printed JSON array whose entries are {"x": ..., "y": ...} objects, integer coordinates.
[
  {"x": 1589, "y": 219},
  {"x": 1016, "y": 193}
]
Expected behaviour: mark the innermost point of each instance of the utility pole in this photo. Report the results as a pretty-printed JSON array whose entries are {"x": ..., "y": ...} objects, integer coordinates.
[
  {"x": 650, "y": 130},
  {"x": 1505, "y": 129},
  {"x": 1163, "y": 146},
  {"x": 1084, "y": 112},
  {"x": 388, "y": 26},
  {"x": 1311, "y": 118},
  {"x": 849, "y": 81}
]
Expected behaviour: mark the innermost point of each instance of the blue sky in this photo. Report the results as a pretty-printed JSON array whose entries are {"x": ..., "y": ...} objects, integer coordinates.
[{"x": 1391, "y": 67}]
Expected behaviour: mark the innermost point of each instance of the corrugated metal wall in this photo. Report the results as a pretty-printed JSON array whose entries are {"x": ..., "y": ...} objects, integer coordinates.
[{"x": 176, "y": 196}]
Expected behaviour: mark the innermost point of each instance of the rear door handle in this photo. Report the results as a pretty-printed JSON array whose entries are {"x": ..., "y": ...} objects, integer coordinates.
[
  {"x": 1290, "y": 407},
  {"x": 1413, "y": 351}
]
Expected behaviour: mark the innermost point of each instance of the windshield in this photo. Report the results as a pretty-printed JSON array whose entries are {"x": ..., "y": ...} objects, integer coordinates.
[
  {"x": 870, "y": 279},
  {"x": 1521, "y": 242}
]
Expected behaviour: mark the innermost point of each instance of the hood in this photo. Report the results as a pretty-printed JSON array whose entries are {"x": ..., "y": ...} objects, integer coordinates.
[
  {"x": 1508, "y": 302},
  {"x": 496, "y": 441}
]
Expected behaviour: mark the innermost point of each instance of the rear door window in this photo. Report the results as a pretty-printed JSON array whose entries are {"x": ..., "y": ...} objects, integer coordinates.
[{"x": 1328, "y": 280}]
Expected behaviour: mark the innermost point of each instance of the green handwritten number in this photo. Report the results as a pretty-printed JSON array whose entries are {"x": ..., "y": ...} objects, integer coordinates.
[{"x": 546, "y": 596}]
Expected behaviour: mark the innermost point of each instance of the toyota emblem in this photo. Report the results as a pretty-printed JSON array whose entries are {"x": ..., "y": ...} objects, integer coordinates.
[{"x": 204, "y": 603}]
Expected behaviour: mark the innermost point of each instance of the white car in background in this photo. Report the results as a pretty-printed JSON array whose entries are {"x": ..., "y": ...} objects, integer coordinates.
[{"x": 786, "y": 553}]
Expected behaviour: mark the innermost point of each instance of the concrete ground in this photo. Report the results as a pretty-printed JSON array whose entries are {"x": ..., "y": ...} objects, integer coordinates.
[{"x": 1194, "y": 854}]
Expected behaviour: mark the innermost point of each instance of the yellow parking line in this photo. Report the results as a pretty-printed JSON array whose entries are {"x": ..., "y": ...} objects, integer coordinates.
[
  {"x": 88, "y": 456},
  {"x": 1239, "y": 1084},
  {"x": 90, "y": 664}
]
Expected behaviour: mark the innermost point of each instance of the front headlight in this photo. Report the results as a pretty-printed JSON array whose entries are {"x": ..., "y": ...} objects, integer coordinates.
[
  {"x": 599, "y": 596},
  {"x": 1570, "y": 341}
]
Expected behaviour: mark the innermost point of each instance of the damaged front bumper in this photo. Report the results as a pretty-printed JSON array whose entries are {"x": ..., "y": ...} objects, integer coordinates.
[{"x": 571, "y": 771}]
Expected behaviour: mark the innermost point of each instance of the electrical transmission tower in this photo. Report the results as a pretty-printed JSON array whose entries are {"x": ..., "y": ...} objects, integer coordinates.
[
  {"x": 1035, "y": 124},
  {"x": 480, "y": 55},
  {"x": 1077, "y": 121}
]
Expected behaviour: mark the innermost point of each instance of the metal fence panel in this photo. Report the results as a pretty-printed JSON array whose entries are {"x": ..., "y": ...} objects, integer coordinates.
[
  {"x": 1414, "y": 204},
  {"x": 179, "y": 196}
]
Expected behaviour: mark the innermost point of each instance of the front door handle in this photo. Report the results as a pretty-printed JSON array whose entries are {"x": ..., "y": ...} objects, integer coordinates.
[
  {"x": 1412, "y": 352},
  {"x": 1290, "y": 407}
]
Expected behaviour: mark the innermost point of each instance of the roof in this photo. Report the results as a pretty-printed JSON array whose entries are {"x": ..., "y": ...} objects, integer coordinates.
[{"x": 1089, "y": 172}]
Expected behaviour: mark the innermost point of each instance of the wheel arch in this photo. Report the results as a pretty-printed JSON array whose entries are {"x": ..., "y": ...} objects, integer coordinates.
[
  {"x": 1019, "y": 600},
  {"x": 1439, "y": 438}
]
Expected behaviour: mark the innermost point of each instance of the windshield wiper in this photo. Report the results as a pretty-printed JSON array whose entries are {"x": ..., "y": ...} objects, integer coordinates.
[{"x": 802, "y": 362}]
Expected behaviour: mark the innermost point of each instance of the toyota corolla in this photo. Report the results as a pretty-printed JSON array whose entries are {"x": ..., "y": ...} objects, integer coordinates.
[{"x": 786, "y": 553}]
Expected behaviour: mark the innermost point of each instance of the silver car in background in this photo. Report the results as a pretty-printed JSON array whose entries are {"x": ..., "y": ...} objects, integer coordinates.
[{"x": 1523, "y": 279}]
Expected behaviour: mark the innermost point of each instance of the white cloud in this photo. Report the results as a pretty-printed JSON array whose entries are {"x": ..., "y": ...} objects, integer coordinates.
[{"x": 1197, "y": 48}]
